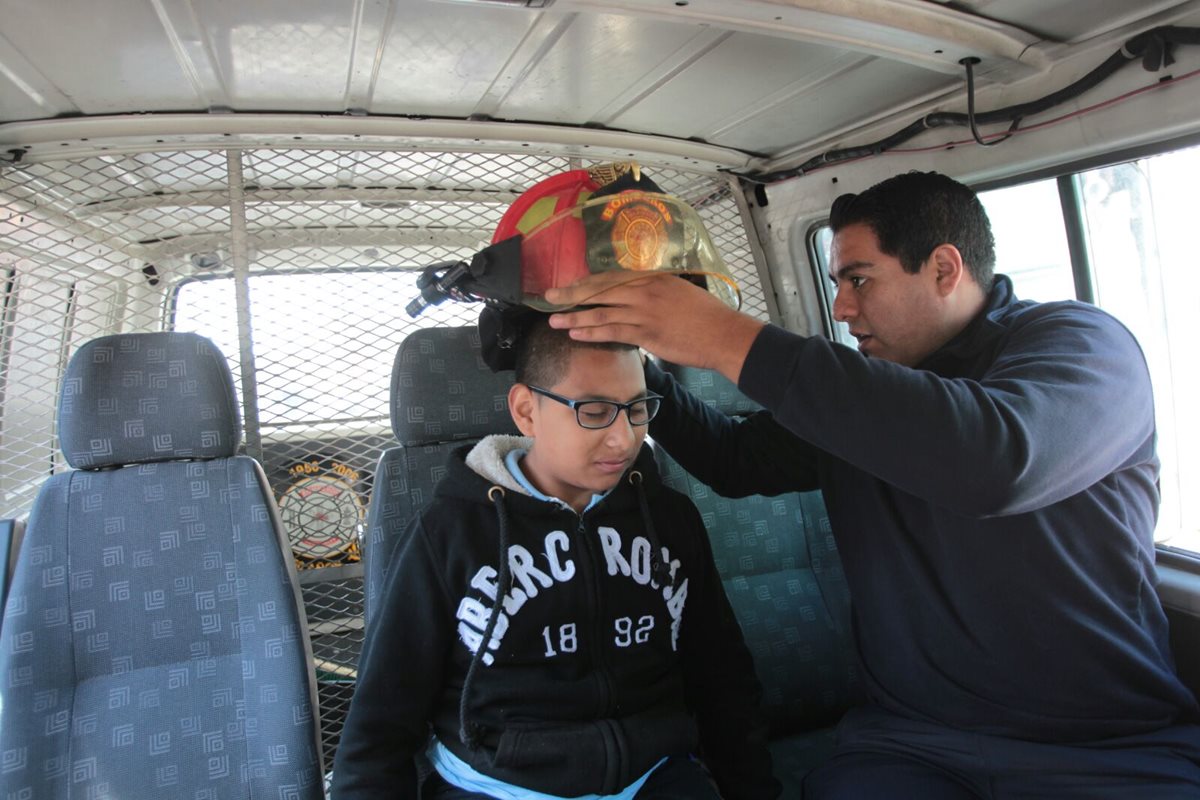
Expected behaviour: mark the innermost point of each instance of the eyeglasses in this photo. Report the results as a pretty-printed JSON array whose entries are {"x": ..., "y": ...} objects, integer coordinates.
[{"x": 596, "y": 414}]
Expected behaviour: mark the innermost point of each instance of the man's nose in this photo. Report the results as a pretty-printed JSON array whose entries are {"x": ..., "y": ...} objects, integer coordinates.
[{"x": 844, "y": 307}]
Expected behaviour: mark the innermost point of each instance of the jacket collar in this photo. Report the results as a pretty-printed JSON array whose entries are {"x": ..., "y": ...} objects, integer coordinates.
[
  {"x": 465, "y": 481},
  {"x": 979, "y": 333}
]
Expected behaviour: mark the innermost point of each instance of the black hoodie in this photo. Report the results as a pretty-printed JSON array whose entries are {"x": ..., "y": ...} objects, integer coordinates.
[{"x": 600, "y": 666}]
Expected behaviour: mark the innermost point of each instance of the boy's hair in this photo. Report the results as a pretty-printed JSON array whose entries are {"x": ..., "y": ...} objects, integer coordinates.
[
  {"x": 543, "y": 353},
  {"x": 913, "y": 213}
]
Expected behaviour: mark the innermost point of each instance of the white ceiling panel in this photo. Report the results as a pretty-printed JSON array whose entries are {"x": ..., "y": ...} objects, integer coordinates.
[
  {"x": 1060, "y": 20},
  {"x": 728, "y": 83},
  {"x": 105, "y": 58},
  {"x": 753, "y": 78},
  {"x": 440, "y": 59},
  {"x": 276, "y": 55},
  {"x": 599, "y": 65},
  {"x": 869, "y": 87}
]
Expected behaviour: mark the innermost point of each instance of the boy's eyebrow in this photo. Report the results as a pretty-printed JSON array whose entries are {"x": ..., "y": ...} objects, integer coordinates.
[{"x": 642, "y": 395}]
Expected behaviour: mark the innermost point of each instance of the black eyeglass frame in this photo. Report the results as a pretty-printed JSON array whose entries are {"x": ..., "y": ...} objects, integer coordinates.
[{"x": 654, "y": 402}]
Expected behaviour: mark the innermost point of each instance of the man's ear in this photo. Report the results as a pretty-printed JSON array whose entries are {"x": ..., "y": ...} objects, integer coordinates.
[
  {"x": 521, "y": 403},
  {"x": 949, "y": 268}
]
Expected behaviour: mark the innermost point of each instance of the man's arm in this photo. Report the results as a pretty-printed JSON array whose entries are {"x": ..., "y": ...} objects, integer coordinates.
[
  {"x": 735, "y": 457},
  {"x": 673, "y": 319},
  {"x": 399, "y": 680},
  {"x": 1064, "y": 404}
]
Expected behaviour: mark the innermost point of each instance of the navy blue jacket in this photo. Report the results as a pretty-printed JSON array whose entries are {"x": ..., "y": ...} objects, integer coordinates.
[{"x": 994, "y": 509}]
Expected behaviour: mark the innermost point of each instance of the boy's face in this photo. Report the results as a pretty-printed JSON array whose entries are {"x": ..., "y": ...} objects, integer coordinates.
[{"x": 568, "y": 461}]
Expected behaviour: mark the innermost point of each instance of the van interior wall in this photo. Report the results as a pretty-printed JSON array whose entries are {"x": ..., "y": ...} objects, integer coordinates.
[{"x": 1132, "y": 109}]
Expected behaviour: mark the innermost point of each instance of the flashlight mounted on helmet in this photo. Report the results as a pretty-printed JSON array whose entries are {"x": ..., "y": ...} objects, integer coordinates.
[{"x": 492, "y": 275}]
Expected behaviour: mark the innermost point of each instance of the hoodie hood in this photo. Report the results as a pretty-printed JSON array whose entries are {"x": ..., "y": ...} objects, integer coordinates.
[
  {"x": 474, "y": 469},
  {"x": 486, "y": 458}
]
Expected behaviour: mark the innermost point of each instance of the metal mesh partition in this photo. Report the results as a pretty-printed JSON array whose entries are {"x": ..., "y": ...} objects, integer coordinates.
[{"x": 298, "y": 264}]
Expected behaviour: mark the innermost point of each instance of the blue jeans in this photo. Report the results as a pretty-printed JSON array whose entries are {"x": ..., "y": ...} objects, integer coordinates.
[{"x": 881, "y": 755}]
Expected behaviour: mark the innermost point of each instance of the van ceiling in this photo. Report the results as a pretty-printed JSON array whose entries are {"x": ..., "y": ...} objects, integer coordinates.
[{"x": 765, "y": 78}]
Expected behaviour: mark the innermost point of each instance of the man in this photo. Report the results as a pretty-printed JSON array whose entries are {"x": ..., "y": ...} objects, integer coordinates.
[{"x": 990, "y": 472}]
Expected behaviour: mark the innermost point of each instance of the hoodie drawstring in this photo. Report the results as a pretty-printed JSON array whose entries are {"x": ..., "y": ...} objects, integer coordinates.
[
  {"x": 660, "y": 572},
  {"x": 470, "y": 733}
]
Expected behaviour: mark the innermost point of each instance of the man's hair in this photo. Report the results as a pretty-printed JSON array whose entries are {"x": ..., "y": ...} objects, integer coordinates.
[
  {"x": 913, "y": 213},
  {"x": 543, "y": 353}
]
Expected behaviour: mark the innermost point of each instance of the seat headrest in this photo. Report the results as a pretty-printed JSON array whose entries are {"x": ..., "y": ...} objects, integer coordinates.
[
  {"x": 142, "y": 397},
  {"x": 442, "y": 391},
  {"x": 714, "y": 389}
]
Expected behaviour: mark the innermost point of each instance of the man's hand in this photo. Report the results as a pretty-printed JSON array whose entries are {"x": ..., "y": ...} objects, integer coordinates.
[{"x": 672, "y": 318}]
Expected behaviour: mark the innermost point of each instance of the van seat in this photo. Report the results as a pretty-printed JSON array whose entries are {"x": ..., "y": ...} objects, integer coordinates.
[
  {"x": 784, "y": 579},
  {"x": 154, "y": 641},
  {"x": 442, "y": 396},
  {"x": 11, "y": 532}
]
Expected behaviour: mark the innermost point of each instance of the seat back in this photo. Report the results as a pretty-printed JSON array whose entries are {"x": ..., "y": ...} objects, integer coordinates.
[
  {"x": 154, "y": 643},
  {"x": 781, "y": 571},
  {"x": 442, "y": 396},
  {"x": 10, "y": 543}
]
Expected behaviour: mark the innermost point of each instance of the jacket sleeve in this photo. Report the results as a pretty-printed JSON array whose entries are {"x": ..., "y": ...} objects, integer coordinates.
[
  {"x": 735, "y": 456},
  {"x": 399, "y": 679},
  {"x": 1064, "y": 403},
  {"x": 720, "y": 683}
]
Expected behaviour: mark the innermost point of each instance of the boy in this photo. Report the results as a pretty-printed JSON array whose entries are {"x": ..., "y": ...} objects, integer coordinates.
[{"x": 614, "y": 656}]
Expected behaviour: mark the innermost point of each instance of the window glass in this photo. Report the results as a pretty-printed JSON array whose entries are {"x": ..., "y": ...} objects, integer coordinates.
[
  {"x": 323, "y": 341},
  {"x": 1031, "y": 240},
  {"x": 1140, "y": 217},
  {"x": 820, "y": 242}
]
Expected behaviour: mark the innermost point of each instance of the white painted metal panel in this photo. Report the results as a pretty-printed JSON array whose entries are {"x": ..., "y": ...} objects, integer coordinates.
[
  {"x": 602, "y": 64},
  {"x": 440, "y": 59},
  {"x": 101, "y": 58},
  {"x": 752, "y": 77},
  {"x": 280, "y": 54},
  {"x": 1060, "y": 20},
  {"x": 867, "y": 89},
  {"x": 728, "y": 83}
]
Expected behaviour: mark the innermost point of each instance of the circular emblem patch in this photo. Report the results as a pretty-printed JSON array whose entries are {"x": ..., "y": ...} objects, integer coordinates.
[
  {"x": 640, "y": 234},
  {"x": 321, "y": 511}
]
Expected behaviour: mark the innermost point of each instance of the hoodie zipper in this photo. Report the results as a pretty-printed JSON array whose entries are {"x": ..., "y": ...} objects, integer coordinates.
[{"x": 605, "y": 685}]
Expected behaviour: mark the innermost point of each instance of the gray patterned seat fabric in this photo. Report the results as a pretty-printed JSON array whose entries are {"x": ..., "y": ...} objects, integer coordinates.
[
  {"x": 10, "y": 542},
  {"x": 154, "y": 643},
  {"x": 781, "y": 570},
  {"x": 442, "y": 396}
]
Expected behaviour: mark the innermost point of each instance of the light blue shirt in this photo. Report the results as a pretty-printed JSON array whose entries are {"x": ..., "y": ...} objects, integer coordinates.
[
  {"x": 514, "y": 468},
  {"x": 459, "y": 773}
]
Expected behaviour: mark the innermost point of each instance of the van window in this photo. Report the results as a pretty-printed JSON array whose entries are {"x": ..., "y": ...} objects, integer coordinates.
[
  {"x": 323, "y": 341},
  {"x": 1031, "y": 241},
  {"x": 1140, "y": 218}
]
